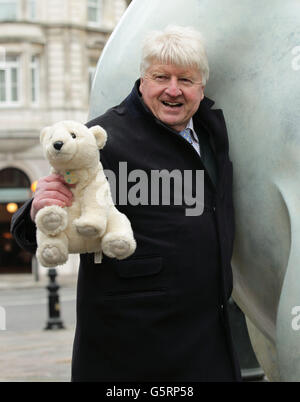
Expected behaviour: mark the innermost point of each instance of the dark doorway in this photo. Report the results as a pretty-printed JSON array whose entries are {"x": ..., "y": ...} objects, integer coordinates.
[{"x": 14, "y": 191}]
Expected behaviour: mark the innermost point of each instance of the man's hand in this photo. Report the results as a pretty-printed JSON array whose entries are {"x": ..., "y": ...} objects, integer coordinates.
[{"x": 51, "y": 190}]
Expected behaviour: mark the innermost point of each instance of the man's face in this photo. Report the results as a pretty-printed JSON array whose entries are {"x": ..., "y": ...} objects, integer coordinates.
[{"x": 172, "y": 93}]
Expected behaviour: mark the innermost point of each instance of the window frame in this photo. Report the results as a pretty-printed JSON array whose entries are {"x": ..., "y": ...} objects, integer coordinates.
[
  {"x": 98, "y": 6},
  {"x": 31, "y": 10},
  {"x": 34, "y": 67},
  {"x": 7, "y": 66},
  {"x": 17, "y": 4}
]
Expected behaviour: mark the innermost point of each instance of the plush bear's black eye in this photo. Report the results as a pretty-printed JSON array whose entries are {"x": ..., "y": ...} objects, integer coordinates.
[{"x": 73, "y": 135}]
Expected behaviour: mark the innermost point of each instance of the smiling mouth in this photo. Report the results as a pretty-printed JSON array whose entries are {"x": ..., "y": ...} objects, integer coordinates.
[{"x": 172, "y": 104}]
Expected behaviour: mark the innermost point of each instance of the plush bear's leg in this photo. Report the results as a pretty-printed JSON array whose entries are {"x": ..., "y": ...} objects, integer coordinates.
[
  {"x": 94, "y": 208},
  {"x": 118, "y": 242},
  {"x": 93, "y": 226},
  {"x": 51, "y": 250},
  {"x": 51, "y": 220}
]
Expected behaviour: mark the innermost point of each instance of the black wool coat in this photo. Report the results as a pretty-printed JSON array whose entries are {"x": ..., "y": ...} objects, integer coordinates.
[{"x": 161, "y": 314}]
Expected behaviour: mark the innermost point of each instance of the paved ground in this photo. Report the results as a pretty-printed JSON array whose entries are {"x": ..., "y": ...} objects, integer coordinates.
[
  {"x": 39, "y": 355},
  {"x": 36, "y": 355}
]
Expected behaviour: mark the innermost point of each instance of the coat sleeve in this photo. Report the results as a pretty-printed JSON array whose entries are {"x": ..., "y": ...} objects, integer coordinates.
[{"x": 23, "y": 229}]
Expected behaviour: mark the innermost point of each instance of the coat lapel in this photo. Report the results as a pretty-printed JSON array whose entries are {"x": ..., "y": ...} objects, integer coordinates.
[{"x": 212, "y": 120}]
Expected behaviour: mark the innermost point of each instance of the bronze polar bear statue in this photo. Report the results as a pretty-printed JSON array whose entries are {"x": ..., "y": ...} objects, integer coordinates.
[{"x": 253, "y": 48}]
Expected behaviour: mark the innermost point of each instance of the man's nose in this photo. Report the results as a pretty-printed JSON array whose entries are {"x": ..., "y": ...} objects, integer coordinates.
[{"x": 173, "y": 88}]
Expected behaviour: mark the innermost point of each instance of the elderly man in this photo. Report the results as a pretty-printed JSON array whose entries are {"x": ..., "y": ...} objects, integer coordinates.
[{"x": 161, "y": 314}]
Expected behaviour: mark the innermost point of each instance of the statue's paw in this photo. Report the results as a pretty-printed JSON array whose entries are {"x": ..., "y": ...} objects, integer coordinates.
[
  {"x": 88, "y": 229},
  {"x": 116, "y": 245},
  {"x": 52, "y": 255},
  {"x": 51, "y": 220}
]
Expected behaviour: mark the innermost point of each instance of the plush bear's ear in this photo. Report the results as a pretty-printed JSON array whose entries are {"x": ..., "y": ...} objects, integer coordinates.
[
  {"x": 43, "y": 133},
  {"x": 100, "y": 135}
]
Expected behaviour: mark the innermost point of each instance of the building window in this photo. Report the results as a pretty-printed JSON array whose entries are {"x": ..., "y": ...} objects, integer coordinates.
[
  {"x": 34, "y": 72},
  {"x": 31, "y": 10},
  {"x": 94, "y": 12},
  {"x": 9, "y": 10},
  {"x": 9, "y": 81}
]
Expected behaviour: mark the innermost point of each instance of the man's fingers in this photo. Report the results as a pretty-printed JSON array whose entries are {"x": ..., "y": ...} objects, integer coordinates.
[
  {"x": 56, "y": 186},
  {"x": 51, "y": 190},
  {"x": 54, "y": 193},
  {"x": 46, "y": 202},
  {"x": 54, "y": 177}
]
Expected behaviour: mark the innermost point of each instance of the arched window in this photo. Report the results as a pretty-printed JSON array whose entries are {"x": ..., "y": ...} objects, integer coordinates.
[{"x": 14, "y": 185}]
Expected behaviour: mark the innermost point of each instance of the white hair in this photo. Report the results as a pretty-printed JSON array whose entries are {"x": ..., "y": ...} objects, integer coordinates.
[{"x": 181, "y": 46}]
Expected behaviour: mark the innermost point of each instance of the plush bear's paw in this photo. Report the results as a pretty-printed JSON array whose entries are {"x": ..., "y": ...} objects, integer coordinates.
[
  {"x": 51, "y": 220},
  {"x": 52, "y": 255},
  {"x": 117, "y": 245},
  {"x": 89, "y": 228}
]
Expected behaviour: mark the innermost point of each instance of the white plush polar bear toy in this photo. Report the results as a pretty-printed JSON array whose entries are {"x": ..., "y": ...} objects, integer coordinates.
[{"x": 92, "y": 224}]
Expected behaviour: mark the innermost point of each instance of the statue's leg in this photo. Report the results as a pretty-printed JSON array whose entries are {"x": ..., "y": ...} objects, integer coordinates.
[{"x": 265, "y": 352}]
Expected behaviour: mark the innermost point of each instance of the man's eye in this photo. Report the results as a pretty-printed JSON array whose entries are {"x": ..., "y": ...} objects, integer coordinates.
[
  {"x": 186, "y": 80},
  {"x": 161, "y": 77}
]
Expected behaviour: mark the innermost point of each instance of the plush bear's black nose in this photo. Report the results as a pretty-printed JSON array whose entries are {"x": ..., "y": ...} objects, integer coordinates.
[{"x": 58, "y": 145}]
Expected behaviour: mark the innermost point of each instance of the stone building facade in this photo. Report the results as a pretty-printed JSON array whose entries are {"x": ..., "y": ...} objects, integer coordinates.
[{"x": 48, "y": 53}]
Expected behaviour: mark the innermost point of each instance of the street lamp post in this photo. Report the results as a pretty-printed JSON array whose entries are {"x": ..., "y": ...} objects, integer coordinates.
[{"x": 54, "y": 320}]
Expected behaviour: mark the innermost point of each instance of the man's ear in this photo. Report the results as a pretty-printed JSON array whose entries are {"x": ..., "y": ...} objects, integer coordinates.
[
  {"x": 141, "y": 85},
  {"x": 43, "y": 133},
  {"x": 100, "y": 135}
]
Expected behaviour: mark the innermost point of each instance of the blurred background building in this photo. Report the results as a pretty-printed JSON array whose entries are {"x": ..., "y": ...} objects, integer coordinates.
[{"x": 48, "y": 54}]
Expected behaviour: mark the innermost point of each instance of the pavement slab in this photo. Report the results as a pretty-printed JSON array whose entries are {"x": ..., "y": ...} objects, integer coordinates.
[{"x": 37, "y": 356}]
